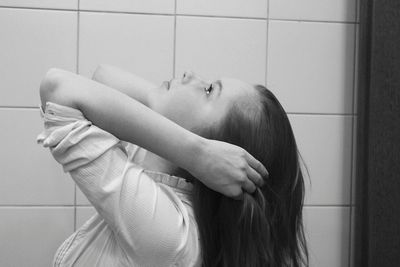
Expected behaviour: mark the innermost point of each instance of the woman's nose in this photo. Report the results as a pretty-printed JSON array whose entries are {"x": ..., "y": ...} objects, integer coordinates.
[
  {"x": 190, "y": 75},
  {"x": 187, "y": 76}
]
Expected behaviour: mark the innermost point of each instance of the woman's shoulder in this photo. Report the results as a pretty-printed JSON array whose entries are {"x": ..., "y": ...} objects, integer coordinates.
[{"x": 179, "y": 192}]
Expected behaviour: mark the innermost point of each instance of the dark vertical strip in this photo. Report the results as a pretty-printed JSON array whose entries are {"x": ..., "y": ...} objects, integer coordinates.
[
  {"x": 377, "y": 240},
  {"x": 361, "y": 199},
  {"x": 353, "y": 131}
]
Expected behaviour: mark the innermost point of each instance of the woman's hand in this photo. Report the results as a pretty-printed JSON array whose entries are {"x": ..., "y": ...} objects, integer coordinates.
[{"x": 228, "y": 169}]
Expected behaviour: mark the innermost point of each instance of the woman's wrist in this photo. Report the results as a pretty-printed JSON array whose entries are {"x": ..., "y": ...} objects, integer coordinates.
[{"x": 191, "y": 157}]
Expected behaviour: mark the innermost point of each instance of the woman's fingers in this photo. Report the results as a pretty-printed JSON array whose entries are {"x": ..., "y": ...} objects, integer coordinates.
[
  {"x": 255, "y": 173},
  {"x": 249, "y": 186},
  {"x": 255, "y": 176},
  {"x": 257, "y": 165},
  {"x": 238, "y": 195}
]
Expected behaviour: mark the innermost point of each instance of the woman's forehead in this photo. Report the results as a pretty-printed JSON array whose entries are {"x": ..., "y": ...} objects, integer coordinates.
[{"x": 235, "y": 85}]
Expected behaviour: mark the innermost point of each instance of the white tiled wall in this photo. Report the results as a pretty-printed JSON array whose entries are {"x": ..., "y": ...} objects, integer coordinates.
[
  {"x": 311, "y": 65},
  {"x": 302, "y": 50}
]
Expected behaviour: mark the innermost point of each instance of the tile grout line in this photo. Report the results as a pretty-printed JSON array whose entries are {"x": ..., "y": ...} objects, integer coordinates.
[
  {"x": 266, "y": 49},
  {"x": 77, "y": 71},
  {"x": 38, "y": 8},
  {"x": 36, "y": 206},
  {"x": 77, "y": 39},
  {"x": 75, "y": 208},
  {"x": 188, "y": 15},
  {"x": 174, "y": 47},
  {"x": 315, "y": 21}
]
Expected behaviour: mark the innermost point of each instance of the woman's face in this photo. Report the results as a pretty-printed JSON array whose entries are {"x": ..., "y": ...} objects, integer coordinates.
[{"x": 186, "y": 102}]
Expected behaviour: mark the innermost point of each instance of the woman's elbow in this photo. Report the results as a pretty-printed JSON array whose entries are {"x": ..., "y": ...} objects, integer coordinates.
[{"x": 50, "y": 81}]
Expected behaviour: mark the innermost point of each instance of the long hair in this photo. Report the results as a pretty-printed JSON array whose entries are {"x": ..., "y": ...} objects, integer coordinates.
[{"x": 266, "y": 227}]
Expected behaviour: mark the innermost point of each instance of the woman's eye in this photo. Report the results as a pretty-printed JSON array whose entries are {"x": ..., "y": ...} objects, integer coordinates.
[{"x": 209, "y": 89}]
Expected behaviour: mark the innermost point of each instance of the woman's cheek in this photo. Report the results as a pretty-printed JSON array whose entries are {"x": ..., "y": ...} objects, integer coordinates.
[{"x": 188, "y": 116}]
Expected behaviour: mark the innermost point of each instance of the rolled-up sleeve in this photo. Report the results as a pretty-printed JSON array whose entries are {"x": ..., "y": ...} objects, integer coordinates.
[{"x": 149, "y": 220}]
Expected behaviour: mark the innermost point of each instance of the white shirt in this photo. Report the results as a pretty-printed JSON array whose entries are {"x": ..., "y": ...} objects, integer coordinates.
[{"x": 144, "y": 218}]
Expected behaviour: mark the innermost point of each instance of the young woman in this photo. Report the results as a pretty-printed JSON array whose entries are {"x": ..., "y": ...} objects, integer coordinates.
[{"x": 183, "y": 188}]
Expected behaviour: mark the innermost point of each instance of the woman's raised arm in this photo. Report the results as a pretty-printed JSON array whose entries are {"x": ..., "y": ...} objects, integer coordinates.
[
  {"x": 223, "y": 167},
  {"x": 122, "y": 116}
]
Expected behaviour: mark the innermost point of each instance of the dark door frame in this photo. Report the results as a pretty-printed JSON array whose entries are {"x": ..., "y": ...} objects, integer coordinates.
[{"x": 377, "y": 207}]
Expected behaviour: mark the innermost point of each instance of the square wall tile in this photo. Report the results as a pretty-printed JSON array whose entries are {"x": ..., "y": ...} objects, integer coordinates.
[
  {"x": 32, "y": 41},
  {"x": 83, "y": 214},
  {"x": 236, "y": 8},
  {"x": 216, "y": 47},
  {"x": 327, "y": 230},
  {"x": 59, "y": 4},
  {"x": 321, "y": 10},
  {"x": 142, "y": 44},
  {"x": 30, "y": 236},
  {"x": 148, "y": 6},
  {"x": 29, "y": 174},
  {"x": 310, "y": 66},
  {"x": 325, "y": 142}
]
